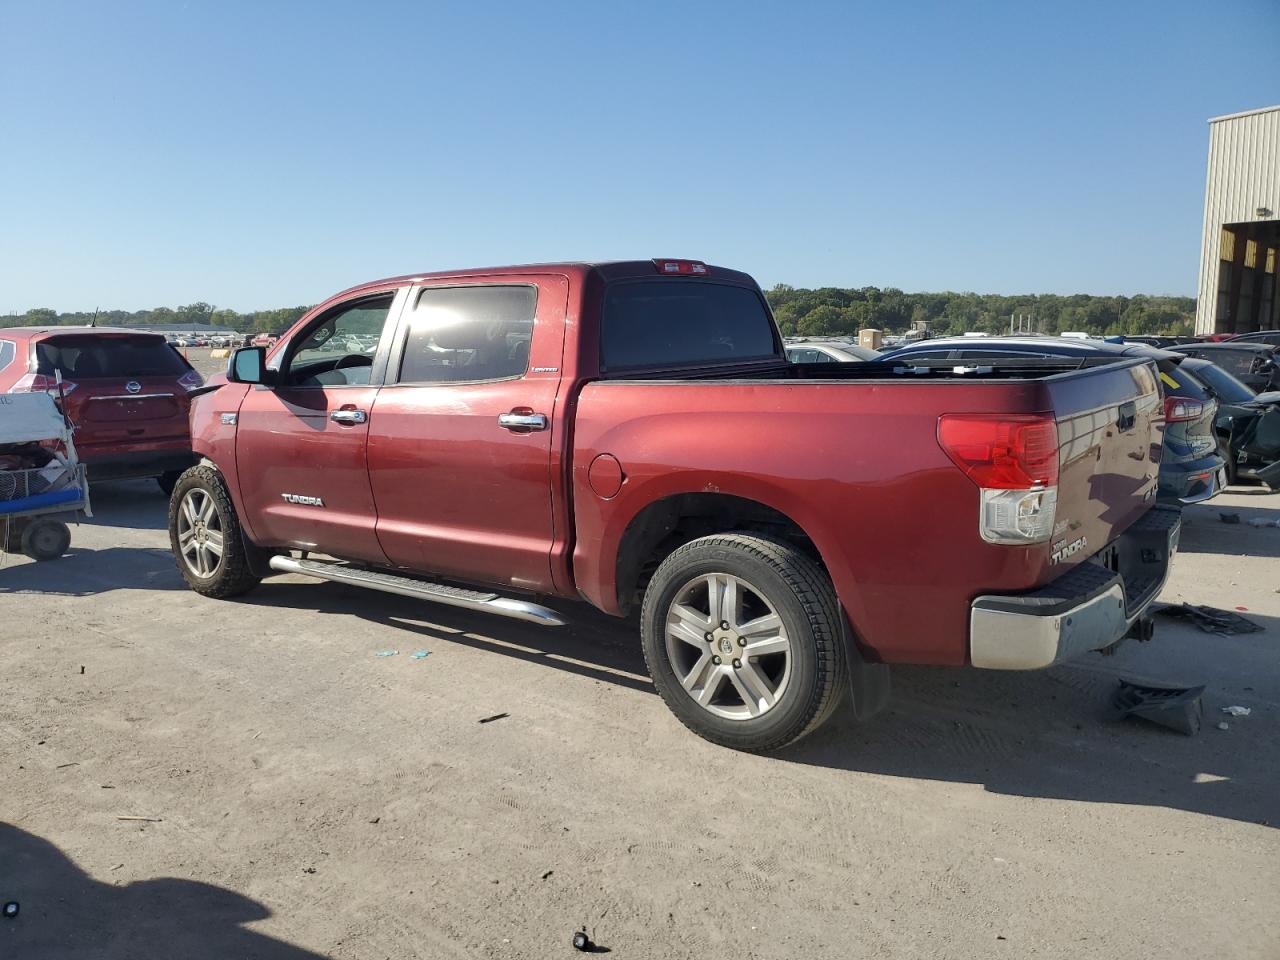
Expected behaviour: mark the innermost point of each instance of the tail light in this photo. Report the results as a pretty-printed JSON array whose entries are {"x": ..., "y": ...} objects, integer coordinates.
[
  {"x": 1014, "y": 462},
  {"x": 191, "y": 380},
  {"x": 681, "y": 267},
  {"x": 42, "y": 383},
  {"x": 1180, "y": 409}
]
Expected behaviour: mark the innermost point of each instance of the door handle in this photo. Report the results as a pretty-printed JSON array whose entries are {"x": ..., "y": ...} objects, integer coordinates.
[
  {"x": 349, "y": 417},
  {"x": 523, "y": 421}
]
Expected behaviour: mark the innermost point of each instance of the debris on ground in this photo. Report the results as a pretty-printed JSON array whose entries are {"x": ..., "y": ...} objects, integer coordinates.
[
  {"x": 582, "y": 942},
  {"x": 1263, "y": 522},
  {"x": 419, "y": 654},
  {"x": 1209, "y": 619},
  {"x": 1237, "y": 711},
  {"x": 143, "y": 819},
  {"x": 385, "y": 653},
  {"x": 11, "y": 909},
  {"x": 1229, "y": 517},
  {"x": 1177, "y": 708},
  {"x": 1223, "y": 725},
  {"x": 496, "y": 716}
]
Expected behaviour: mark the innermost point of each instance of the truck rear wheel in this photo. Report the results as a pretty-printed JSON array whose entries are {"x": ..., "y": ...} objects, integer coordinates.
[
  {"x": 205, "y": 535},
  {"x": 743, "y": 640}
]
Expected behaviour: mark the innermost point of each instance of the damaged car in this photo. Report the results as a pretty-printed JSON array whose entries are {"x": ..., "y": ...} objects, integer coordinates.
[{"x": 1247, "y": 424}]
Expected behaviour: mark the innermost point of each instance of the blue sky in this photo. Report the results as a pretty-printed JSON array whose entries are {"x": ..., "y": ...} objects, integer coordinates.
[{"x": 262, "y": 154}]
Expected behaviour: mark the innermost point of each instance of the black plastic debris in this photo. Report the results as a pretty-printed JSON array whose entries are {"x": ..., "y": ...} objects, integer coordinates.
[
  {"x": 1210, "y": 619},
  {"x": 1229, "y": 517},
  {"x": 1178, "y": 708},
  {"x": 581, "y": 941},
  {"x": 496, "y": 716},
  {"x": 11, "y": 909}
]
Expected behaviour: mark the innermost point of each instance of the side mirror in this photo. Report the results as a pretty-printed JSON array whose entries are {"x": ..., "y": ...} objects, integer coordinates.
[{"x": 248, "y": 365}]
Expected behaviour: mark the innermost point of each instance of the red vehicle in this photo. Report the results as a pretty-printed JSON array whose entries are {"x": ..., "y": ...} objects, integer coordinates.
[
  {"x": 127, "y": 393},
  {"x": 632, "y": 435}
]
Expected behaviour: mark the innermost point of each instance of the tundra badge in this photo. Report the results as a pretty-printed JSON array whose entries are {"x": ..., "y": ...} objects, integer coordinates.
[
  {"x": 1063, "y": 550},
  {"x": 305, "y": 501}
]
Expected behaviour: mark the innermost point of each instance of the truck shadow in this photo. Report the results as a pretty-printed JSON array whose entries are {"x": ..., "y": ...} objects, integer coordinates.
[
  {"x": 130, "y": 504},
  {"x": 1052, "y": 734},
  {"x": 1041, "y": 734},
  {"x": 86, "y": 573},
  {"x": 64, "y": 912},
  {"x": 590, "y": 645},
  {"x": 1205, "y": 531}
]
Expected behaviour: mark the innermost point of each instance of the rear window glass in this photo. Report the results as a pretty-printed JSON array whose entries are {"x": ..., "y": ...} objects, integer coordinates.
[
  {"x": 1226, "y": 386},
  {"x": 667, "y": 323},
  {"x": 1238, "y": 362},
  {"x": 87, "y": 357}
]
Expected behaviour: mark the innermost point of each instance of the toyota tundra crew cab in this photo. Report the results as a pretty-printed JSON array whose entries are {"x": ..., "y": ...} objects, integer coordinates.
[{"x": 632, "y": 435}]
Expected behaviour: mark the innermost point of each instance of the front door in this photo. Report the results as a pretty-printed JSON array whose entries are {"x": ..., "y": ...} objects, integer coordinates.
[
  {"x": 460, "y": 436},
  {"x": 301, "y": 445}
]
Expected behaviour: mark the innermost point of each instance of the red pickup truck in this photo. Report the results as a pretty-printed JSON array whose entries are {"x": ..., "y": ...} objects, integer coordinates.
[{"x": 632, "y": 435}]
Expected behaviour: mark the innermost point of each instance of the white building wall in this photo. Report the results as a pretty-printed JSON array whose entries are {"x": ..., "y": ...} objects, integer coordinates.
[{"x": 1244, "y": 175}]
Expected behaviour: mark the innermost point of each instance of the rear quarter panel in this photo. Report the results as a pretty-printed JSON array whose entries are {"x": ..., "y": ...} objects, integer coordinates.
[{"x": 857, "y": 466}]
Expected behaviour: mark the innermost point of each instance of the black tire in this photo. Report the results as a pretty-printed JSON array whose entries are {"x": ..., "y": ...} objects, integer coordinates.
[
  {"x": 1229, "y": 462},
  {"x": 46, "y": 539},
  {"x": 167, "y": 481},
  {"x": 802, "y": 597},
  {"x": 231, "y": 576}
]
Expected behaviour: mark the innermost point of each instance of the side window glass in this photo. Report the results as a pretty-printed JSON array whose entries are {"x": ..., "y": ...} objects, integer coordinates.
[
  {"x": 469, "y": 334},
  {"x": 6, "y": 353},
  {"x": 802, "y": 356},
  {"x": 820, "y": 357},
  {"x": 339, "y": 351}
]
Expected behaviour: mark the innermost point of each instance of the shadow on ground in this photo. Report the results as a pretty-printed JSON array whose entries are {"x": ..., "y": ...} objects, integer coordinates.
[
  {"x": 63, "y": 912},
  {"x": 86, "y": 573}
]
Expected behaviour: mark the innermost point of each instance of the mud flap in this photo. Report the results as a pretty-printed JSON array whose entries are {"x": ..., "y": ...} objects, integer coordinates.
[{"x": 869, "y": 685}]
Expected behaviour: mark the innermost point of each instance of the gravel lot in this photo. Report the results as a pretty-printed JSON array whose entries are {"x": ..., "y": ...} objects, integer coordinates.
[{"x": 307, "y": 798}]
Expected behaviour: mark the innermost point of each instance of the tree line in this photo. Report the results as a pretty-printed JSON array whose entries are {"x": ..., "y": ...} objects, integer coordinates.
[{"x": 825, "y": 311}]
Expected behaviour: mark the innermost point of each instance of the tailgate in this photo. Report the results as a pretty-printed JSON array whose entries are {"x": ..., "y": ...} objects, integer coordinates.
[{"x": 1110, "y": 431}]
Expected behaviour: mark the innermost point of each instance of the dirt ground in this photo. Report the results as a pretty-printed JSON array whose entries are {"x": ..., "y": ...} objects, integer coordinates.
[{"x": 307, "y": 798}]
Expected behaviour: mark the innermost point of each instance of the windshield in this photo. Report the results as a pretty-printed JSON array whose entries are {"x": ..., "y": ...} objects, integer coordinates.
[
  {"x": 1227, "y": 387},
  {"x": 667, "y": 323}
]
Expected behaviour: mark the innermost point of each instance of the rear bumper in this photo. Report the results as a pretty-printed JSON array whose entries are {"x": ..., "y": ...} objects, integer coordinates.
[
  {"x": 1192, "y": 481},
  {"x": 1089, "y": 608},
  {"x": 142, "y": 463}
]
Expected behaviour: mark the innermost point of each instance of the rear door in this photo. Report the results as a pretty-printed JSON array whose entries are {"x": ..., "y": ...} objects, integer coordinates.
[
  {"x": 301, "y": 444},
  {"x": 460, "y": 439},
  {"x": 122, "y": 389}
]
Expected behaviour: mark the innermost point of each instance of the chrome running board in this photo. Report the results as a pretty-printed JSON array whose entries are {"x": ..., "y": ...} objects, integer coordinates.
[{"x": 419, "y": 589}]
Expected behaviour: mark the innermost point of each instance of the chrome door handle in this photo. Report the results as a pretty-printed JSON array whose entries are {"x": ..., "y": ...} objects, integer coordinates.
[
  {"x": 523, "y": 421},
  {"x": 348, "y": 417}
]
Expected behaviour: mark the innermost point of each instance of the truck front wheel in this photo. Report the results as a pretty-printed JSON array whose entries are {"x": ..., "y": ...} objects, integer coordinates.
[
  {"x": 742, "y": 638},
  {"x": 204, "y": 533}
]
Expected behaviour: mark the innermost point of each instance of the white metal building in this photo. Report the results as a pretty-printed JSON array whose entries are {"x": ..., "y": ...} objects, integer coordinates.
[{"x": 1241, "y": 244}]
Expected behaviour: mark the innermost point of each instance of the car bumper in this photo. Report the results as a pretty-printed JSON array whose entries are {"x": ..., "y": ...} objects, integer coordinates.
[
  {"x": 1092, "y": 606},
  {"x": 1192, "y": 482},
  {"x": 147, "y": 463}
]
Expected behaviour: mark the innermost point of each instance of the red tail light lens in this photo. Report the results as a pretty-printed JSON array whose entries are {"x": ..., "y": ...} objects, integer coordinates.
[
  {"x": 41, "y": 383},
  {"x": 1002, "y": 452},
  {"x": 681, "y": 267},
  {"x": 1178, "y": 409}
]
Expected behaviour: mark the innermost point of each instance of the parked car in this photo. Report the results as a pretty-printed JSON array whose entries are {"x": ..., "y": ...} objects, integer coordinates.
[
  {"x": 829, "y": 351},
  {"x": 632, "y": 435},
  {"x": 1191, "y": 468},
  {"x": 1247, "y": 424},
  {"x": 1253, "y": 364},
  {"x": 1271, "y": 337},
  {"x": 1160, "y": 342},
  {"x": 127, "y": 393}
]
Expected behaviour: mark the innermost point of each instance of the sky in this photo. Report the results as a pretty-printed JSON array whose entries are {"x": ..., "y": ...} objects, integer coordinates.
[{"x": 265, "y": 154}]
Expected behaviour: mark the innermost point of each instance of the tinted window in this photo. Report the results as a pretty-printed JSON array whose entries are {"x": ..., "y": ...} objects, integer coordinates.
[
  {"x": 1238, "y": 362},
  {"x": 807, "y": 355},
  {"x": 86, "y": 357},
  {"x": 665, "y": 323},
  {"x": 1227, "y": 387},
  {"x": 339, "y": 350},
  {"x": 1271, "y": 338},
  {"x": 469, "y": 333},
  {"x": 6, "y": 353}
]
